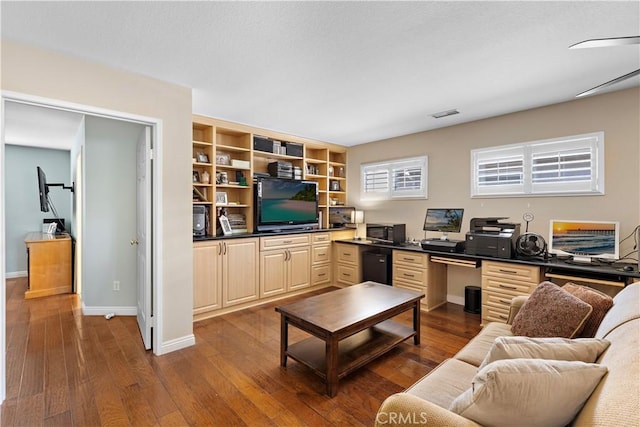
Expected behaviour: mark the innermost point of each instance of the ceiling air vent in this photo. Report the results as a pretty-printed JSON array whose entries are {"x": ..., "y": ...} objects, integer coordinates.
[{"x": 445, "y": 114}]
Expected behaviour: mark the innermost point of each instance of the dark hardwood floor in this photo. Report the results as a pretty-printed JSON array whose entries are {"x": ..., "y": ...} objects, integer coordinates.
[{"x": 65, "y": 369}]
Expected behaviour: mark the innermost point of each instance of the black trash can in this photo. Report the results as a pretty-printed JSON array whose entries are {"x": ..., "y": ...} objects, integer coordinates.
[{"x": 472, "y": 299}]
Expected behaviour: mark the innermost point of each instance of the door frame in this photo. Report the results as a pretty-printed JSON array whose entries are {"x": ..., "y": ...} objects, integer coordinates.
[{"x": 156, "y": 206}]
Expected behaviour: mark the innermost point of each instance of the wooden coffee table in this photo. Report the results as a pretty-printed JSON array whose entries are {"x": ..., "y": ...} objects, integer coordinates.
[{"x": 349, "y": 328}]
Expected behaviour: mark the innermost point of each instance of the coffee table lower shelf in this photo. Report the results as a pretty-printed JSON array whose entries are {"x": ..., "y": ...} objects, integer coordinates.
[{"x": 354, "y": 351}]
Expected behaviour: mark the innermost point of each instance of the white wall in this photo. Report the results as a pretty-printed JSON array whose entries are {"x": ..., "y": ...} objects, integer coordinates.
[
  {"x": 616, "y": 113},
  {"x": 22, "y": 198},
  {"x": 36, "y": 72},
  {"x": 110, "y": 213}
]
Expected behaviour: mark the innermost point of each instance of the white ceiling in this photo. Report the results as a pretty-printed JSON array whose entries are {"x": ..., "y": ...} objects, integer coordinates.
[
  {"x": 346, "y": 72},
  {"x": 40, "y": 127}
]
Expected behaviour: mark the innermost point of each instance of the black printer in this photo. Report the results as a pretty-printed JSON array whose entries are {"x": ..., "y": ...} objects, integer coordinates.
[{"x": 490, "y": 237}]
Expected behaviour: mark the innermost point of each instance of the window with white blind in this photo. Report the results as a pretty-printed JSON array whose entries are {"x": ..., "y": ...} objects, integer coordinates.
[
  {"x": 572, "y": 165},
  {"x": 391, "y": 179}
]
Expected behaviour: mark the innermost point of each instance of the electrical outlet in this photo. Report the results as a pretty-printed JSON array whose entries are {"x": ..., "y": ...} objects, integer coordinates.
[{"x": 116, "y": 285}]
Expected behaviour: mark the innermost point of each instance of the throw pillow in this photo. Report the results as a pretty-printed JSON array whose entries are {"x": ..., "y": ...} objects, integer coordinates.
[
  {"x": 528, "y": 392},
  {"x": 550, "y": 311},
  {"x": 581, "y": 349},
  {"x": 600, "y": 302}
]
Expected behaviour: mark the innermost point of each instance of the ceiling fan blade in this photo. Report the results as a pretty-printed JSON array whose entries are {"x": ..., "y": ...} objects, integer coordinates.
[
  {"x": 609, "y": 83},
  {"x": 614, "y": 41}
]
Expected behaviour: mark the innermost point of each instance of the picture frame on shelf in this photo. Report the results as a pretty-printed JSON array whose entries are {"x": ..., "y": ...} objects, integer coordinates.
[
  {"x": 223, "y": 159},
  {"x": 221, "y": 198},
  {"x": 202, "y": 158},
  {"x": 224, "y": 224},
  {"x": 196, "y": 176},
  {"x": 222, "y": 178}
]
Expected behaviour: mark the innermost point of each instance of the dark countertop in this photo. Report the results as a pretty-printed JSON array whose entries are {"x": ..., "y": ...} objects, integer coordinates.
[
  {"x": 269, "y": 233},
  {"x": 595, "y": 269}
]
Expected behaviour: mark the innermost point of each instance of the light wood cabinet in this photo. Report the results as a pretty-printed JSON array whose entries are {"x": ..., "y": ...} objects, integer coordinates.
[
  {"x": 285, "y": 264},
  {"x": 49, "y": 269},
  {"x": 347, "y": 266},
  {"x": 225, "y": 273},
  {"x": 240, "y": 266},
  {"x": 320, "y": 259},
  {"x": 500, "y": 283},
  {"x": 207, "y": 276},
  {"x": 230, "y": 157},
  {"x": 415, "y": 272}
]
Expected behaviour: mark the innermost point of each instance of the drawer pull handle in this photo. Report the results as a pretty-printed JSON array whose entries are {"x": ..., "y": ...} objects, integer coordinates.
[
  {"x": 346, "y": 274},
  {"x": 321, "y": 274},
  {"x": 408, "y": 275},
  {"x": 507, "y": 287},
  {"x": 502, "y": 270},
  {"x": 502, "y": 316},
  {"x": 504, "y": 301},
  {"x": 346, "y": 254},
  {"x": 286, "y": 242}
]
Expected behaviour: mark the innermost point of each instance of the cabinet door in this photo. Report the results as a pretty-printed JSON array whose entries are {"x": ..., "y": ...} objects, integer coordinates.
[
  {"x": 240, "y": 271},
  {"x": 207, "y": 290},
  {"x": 273, "y": 272},
  {"x": 299, "y": 268}
]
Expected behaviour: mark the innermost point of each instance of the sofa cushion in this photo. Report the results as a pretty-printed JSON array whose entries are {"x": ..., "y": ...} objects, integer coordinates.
[
  {"x": 600, "y": 302},
  {"x": 476, "y": 349},
  {"x": 551, "y": 311},
  {"x": 625, "y": 308},
  {"x": 528, "y": 392},
  {"x": 581, "y": 349},
  {"x": 444, "y": 383}
]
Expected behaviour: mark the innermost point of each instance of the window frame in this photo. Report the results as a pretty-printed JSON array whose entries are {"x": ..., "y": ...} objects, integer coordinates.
[
  {"x": 387, "y": 167},
  {"x": 590, "y": 145}
]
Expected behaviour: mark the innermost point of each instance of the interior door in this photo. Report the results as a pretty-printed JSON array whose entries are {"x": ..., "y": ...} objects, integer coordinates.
[{"x": 143, "y": 237}]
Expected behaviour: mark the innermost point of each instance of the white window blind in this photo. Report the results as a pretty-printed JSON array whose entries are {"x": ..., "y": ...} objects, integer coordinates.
[
  {"x": 570, "y": 165},
  {"x": 403, "y": 178}
]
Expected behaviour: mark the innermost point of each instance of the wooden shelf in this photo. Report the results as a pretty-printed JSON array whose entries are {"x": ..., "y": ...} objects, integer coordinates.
[
  {"x": 355, "y": 351},
  {"x": 215, "y": 137},
  {"x": 202, "y": 144},
  {"x": 221, "y": 147}
]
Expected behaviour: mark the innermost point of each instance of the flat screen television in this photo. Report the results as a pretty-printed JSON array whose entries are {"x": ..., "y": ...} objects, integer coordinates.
[
  {"x": 585, "y": 240},
  {"x": 339, "y": 216},
  {"x": 43, "y": 189},
  {"x": 285, "y": 204},
  {"x": 444, "y": 221}
]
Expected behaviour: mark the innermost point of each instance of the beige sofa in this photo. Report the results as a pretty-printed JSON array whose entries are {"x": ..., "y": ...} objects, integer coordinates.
[{"x": 614, "y": 402}]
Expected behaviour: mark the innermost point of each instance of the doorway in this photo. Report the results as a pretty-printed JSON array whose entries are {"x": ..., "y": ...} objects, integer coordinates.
[{"x": 148, "y": 126}]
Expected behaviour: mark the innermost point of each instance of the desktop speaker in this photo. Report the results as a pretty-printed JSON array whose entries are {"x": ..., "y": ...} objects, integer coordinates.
[{"x": 199, "y": 221}]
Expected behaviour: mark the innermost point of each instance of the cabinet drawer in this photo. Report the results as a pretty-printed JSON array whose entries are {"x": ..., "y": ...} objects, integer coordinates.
[
  {"x": 320, "y": 274},
  {"x": 277, "y": 242},
  {"x": 347, "y": 274},
  {"x": 321, "y": 238},
  {"x": 408, "y": 258},
  {"x": 348, "y": 254},
  {"x": 496, "y": 299},
  {"x": 411, "y": 275},
  {"x": 494, "y": 314},
  {"x": 528, "y": 273},
  {"x": 507, "y": 288},
  {"x": 321, "y": 253}
]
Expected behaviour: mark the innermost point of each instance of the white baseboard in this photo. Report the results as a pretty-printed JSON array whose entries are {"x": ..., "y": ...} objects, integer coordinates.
[
  {"x": 455, "y": 299},
  {"x": 15, "y": 274},
  {"x": 101, "y": 311},
  {"x": 176, "y": 344}
]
